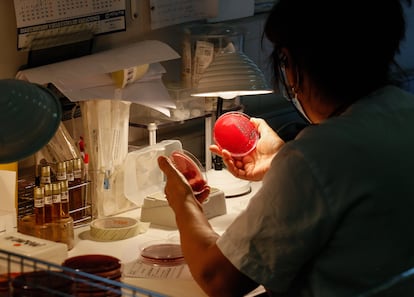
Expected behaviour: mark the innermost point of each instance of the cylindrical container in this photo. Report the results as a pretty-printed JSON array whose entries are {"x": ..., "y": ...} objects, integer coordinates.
[
  {"x": 61, "y": 171},
  {"x": 63, "y": 232},
  {"x": 39, "y": 205},
  {"x": 45, "y": 175},
  {"x": 100, "y": 265},
  {"x": 202, "y": 42},
  {"x": 64, "y": 198},
  {"x": 235, "y": 132},
  {"x": 56, "y": 199},
  {"x": 48, "y": 202},
  {"x": 69, "y": 171}
]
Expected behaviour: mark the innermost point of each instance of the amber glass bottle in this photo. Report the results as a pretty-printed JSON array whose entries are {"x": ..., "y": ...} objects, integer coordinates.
[
  {"x": 64, "y": 199},
  {"x": 56, "y": 199},
  {"x": 45, "y": 175},
  {"x": 39, "y": 205},
  {"x": 48, "y": 202}
]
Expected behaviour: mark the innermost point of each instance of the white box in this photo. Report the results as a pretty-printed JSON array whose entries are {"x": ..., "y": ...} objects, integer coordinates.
[
  {"x": 32, "y": 247},
  {"x": 156, "y": 210},
  {"x": 8, "y": 221}
]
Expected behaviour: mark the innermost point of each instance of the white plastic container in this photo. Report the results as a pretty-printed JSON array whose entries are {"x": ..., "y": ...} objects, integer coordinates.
[{"x": 142, "y": 176}]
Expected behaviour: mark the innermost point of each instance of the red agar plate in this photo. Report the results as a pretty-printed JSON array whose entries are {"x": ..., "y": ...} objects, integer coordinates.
[
  {"x": 234, "y": 132},
  {"x": 191, "y": 168}
]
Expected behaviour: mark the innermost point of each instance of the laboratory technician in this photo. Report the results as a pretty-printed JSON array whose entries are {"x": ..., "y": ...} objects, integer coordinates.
[{"x": 334, "y": 215}]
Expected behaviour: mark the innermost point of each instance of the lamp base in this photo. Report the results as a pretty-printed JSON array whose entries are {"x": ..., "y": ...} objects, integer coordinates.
[{"x": 229, "y": 184}]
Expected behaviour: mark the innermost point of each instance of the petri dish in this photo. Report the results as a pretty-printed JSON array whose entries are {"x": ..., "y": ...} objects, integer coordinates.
[
  {"x": 43, "y": 283},
  {"x": 97, "y": 264},
  {"x": 191, "y": 168},
  {"x": 162, "y": 254},
  {"x": 234, "y": 132}
]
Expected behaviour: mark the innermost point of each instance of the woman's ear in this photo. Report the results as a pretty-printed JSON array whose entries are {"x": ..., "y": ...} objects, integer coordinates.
[{"x": 290, "y": 68}]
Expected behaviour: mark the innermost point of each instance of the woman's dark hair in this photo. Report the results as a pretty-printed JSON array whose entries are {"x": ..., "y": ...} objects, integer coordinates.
[{"x": 346, "y": 47}]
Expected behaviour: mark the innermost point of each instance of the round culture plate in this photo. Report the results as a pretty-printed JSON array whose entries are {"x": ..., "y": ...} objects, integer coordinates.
[{"x": 233, "y": 131}]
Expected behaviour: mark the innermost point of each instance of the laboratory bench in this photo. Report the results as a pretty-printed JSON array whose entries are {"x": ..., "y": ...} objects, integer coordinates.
[{"x": 128, "y": 250}]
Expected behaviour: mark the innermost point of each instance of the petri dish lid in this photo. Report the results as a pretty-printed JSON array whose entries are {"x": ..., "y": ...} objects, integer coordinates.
[
  {"x": 167, "y": 254},
  {"x": 31, "y": 113}
]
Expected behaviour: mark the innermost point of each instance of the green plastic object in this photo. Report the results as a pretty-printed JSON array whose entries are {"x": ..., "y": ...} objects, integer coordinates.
[{"x": 30, "y": 116}]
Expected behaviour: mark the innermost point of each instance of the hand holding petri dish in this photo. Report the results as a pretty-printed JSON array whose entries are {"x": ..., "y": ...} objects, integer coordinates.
[
  {"x": 234, "y": 132},
  {"x": 192, "y": 170}
]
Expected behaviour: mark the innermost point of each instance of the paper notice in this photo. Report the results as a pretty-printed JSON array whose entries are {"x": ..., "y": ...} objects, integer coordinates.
[
  {"x": 37, "y": 20},
  {"x": 171, "y": 12},
  {"x": 142, "y": 270}
]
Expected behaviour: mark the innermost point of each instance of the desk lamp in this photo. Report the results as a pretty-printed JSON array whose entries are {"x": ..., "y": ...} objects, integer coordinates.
[
  {"x": 31, "y": 114},
  {"x": 230, "y": 74}
]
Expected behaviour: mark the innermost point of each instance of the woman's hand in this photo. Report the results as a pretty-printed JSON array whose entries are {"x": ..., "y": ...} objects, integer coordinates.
[
  {"x": 177, "y": 188},
  {"x": 254, "y": 165}
]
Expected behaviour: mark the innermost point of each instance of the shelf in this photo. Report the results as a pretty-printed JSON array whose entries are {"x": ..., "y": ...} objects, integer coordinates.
[{"x": 145, "y": 122}]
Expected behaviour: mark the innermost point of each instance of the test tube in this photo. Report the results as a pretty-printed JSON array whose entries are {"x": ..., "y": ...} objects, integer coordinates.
[
  {"x": 39, "y": 203},
  {"x": 69, "y": 171},
  {"x": 45, "y": 176},
  {"x": 56, "y": 198},
  {"x": 64, "y": 198},
  {"x": 61, "y": 171},
  {"x": 48, "y": 202}
]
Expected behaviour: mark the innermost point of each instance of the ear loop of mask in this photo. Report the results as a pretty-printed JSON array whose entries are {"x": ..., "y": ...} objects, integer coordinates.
[{"x": 290, "y": 93}]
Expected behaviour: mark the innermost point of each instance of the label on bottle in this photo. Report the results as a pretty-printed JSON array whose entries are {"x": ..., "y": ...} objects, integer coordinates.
[
  {"x": 39, "y": 202},
  {"x": 64, "y": 197},
  {"x": 61, "y": 175},
  {"x": 48, "y": 199},
  {"x": 70, "y": 176},
  {"x": 56, "y": 198},
  {"x": 77, "y": 174},
  {"x": 45, "y": 180}
]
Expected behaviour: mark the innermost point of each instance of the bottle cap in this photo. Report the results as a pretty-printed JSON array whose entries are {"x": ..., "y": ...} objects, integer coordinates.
[
  {"x": 48, "y": 189},
  {"x": 56, "y": 187},
  {"x": 38, "y": 192},
  {"x": 45, "y": 170},
  {"x": 64, "y": 185}
]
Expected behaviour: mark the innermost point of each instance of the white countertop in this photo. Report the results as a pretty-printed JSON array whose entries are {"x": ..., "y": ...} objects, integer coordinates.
[{"x": 128, "y": 250}]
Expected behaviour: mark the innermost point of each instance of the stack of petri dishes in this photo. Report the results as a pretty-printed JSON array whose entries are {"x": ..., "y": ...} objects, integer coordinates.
[
  {"x": 102, "y": 266},
  {"x": 42, "y": 283}
]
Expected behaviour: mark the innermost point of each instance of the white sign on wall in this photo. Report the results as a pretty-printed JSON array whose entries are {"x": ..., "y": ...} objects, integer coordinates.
[{"x": 40, "y": 19}]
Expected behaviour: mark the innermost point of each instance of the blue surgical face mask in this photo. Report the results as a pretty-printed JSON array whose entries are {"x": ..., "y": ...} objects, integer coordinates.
[{"x": 299, "y": 108}]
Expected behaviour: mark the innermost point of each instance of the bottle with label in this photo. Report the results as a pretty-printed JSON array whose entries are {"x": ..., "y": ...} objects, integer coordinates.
[
  {"x": 48, "y": 202},
  {"x": 61, "y": 171},
  {"x": 56, "y": 201},
  {"x": 45, "y": 175},
  {"x": 69, "y": 171},
  {"x": 39, "y": 205},
  {"x": 64, "y": 199}
]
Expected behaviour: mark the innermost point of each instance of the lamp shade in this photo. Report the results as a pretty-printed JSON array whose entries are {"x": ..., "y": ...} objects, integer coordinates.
[
  {"x": 229, "y": 75},
  {"x": 30, "y": 116}
]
